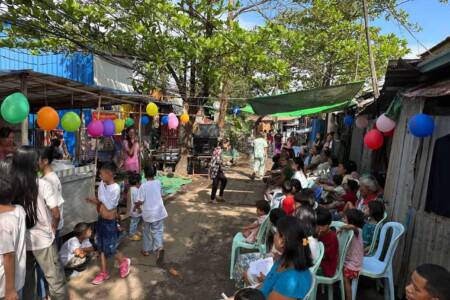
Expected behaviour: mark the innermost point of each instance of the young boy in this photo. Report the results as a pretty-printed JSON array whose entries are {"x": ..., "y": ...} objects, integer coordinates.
[
  {"x": 329, "y": 239},
  {"x": 74, "y": 253},
  {"x": 12, "y": 245},
  {"x": 429, "y": 282},
  {"x": 134, "y": 180},
  {"x": 107, "y": 230}
]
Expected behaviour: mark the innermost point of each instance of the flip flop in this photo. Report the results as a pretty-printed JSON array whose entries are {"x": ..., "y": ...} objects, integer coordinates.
[{"x": 145, "y": 253}]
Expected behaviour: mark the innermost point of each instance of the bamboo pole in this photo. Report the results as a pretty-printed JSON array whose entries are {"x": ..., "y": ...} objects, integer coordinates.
[
  {"x": 96, "y": 141},
  {"x": 24, "y": 125},
  {"x": 373, "y": 71},
  {"x": 140, "y": 134}
]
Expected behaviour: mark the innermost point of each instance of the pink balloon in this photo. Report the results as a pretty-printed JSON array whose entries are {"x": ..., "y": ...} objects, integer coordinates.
[
  {"x": 362, "y": 122},
  {"x": 173, "y": 123},
  {"x": 172, "y": 115},
  {"x": 95, "y": 128},
  {"x": 384, "y": 124}
]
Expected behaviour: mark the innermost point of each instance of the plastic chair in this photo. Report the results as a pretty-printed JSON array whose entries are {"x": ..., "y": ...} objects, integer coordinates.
[
  {"x": 259, "y": 245},
  {"x": 344, "y": 239},
  {"x": 316, "y": 265},
  {"x": 374, "y": 267},
  {"x": 376, "y": 234},
  {"x": 310, "y": 293}
]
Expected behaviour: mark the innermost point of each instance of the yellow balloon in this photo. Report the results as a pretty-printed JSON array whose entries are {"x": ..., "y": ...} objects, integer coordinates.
[
  {"x": 119, "y": 124},
  {"x": 152, "y": 109},
  {"x": 184, "y": 118}
]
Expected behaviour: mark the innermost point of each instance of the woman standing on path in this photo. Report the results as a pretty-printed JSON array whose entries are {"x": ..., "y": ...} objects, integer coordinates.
[
  {"x": 131, "y": 151},
  {"x": 216, "y": 174}
]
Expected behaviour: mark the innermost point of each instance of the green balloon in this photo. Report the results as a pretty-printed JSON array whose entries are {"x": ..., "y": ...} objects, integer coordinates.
[
  {"x": 15, "y": 108},
  {"x": 129, "y": 122},
  {"x": 70, "y": 121}
]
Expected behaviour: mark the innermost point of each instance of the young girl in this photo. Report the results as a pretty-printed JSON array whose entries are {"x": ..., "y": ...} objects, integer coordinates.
[
  {"x": 12, "y": 236},
  {"x": 354, "y": 219},
  {"x": 107, "y": 229},
  {"x": 288, "y": 202},
  {"x": 376, "y": 213},
  {"x": 250, "y": 232},
  {"x": 153, "y": 215},
  {"x": 135, "y": 211},
  {"x": 75, "y": 252}
]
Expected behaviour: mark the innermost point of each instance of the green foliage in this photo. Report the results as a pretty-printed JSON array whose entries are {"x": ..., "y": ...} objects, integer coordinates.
[{"x": 238, "y": 129}]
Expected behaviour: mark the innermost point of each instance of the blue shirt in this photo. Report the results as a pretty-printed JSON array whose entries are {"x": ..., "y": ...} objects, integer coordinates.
[{"x": 289, "y": 283}]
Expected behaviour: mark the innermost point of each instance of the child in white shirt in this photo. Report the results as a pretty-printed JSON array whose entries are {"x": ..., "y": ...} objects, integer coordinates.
[
  {"x": 134, "y": 180},
  {"x": 153, "y": 215},
  {"x": 75, "y": 252}
]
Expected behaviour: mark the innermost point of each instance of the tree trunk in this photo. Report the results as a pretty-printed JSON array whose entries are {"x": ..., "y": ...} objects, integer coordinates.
[{"x": 223, "y": 105}]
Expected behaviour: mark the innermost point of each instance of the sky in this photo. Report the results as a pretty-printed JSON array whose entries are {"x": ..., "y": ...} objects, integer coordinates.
[{"x": 431, "y": 15}]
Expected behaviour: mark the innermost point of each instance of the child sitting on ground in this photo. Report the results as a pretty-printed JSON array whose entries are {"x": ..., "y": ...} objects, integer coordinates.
[
  {"x": 354, "y": 219},
  {"x": 376, "y": 214},
  {"x": 288, "y": 203},
  {"x": 251, "y": 231},
  {"x": 330, "y": 242},
  {"x": 75, "y": 253},
  {"x": 134, "y": 180}
]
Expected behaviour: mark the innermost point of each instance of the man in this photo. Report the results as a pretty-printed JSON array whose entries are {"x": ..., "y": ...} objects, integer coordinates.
[
  {"x": 260, "y": 147},
  {"x": 429, "y": 282}
]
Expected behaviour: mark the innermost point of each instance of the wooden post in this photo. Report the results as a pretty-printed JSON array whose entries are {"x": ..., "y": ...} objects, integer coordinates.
[
  {"x": 140, "y": 135},
  {"x": 96, "y": 139},
  {"x": 373, "y": 71},
  {"x": 24, "y": 125}
]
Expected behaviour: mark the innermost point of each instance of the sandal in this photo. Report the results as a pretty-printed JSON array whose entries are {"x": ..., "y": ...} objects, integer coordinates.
[{"x": 145, "y": 253}]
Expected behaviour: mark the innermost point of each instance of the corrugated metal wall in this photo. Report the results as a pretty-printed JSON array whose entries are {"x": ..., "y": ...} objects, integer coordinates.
[{"x": 76, "y": 66}]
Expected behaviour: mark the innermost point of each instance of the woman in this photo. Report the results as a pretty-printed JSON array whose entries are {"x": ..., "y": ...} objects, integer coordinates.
[
  {"x": 368, "y": 191},
  {"x": 38, "y": 199},
  {"x": 289, "y": 278},
  {"x": 131, "y": 151},
  {"x": 6, "y": 142},
  {"x": 216, "y": 174},
  {"x": 307, "y": 217}
]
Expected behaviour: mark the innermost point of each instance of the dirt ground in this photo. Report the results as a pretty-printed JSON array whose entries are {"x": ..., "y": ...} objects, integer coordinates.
[{"x": 198, "y": 238}]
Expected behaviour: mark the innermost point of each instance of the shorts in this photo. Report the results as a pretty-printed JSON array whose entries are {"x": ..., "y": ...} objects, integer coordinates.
[
  {"x": 350, "y": 274},
  {"x": 106, "y": 236}
]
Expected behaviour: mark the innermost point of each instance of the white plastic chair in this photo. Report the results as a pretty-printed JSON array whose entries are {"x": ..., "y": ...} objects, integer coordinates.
[
  {"x": 374, "y": 267},
  {"x": 344, "y": 239},
  {"x": 316, "y": 265},
  {"x": 376, "y": 234}
]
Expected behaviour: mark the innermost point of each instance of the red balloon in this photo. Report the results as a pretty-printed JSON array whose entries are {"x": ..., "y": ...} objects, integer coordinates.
[
  {"x": 374, "y": 139},
  {"x": 389, "y": 133}
]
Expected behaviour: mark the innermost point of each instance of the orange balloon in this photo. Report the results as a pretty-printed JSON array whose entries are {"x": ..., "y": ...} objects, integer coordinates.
[
  {"x": 47, "y": 118},
  {"x": 184, "y": 118}
]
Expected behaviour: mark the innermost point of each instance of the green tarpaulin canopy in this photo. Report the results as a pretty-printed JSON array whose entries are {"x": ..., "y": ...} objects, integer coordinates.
[{"x": 321, "y": 99}]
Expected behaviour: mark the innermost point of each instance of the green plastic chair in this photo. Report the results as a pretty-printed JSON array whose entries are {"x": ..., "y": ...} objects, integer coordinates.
[
  {"x": 312, "y": 288},
  {"x": 259, "y": 245},
  {"x": 316, "y": 265},
  {"x": 344, "y": 239},
  {"x": 376, "y": 235}
]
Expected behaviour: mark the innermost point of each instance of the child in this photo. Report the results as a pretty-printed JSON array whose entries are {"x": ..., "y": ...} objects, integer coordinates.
[
  {"x": 376, "y": 214},
  {"x": 330, "y": 242},
  {"x": 354, "y": 219},
  {"x": 107, "y": 231},
  {"x": 75, "y": 252},
  {"x": 12, "y": 237},
  {"x": 250, "y": 232},
  {"x": 134, "y": 180},
  {"x": 349, "y": 199},
  {"x": 288, "y": 203},
  {"x": 153, "y": 215}
]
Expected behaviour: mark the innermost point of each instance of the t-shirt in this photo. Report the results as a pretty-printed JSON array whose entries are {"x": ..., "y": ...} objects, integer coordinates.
[
  {"x": 109, "y": 195},
  {"x": 300, "y": 176},
  {"x": 134, "y": 198},
  {"x": 67, "y": 251},
  {"x": 368, "y": 231},
  {"x": 41, "y": 235},
  {"x": 153, "y": 209},
  {"x": 259, "y": 145},
  {"x": 289, "y": 205},
  {"x": 12, "y": 237},
  {"x": 54, "y": 181},
  {"x": 331, "y": 255},
  {"x": 289, "y": 283},
  {"x": 355, "y": 253}
]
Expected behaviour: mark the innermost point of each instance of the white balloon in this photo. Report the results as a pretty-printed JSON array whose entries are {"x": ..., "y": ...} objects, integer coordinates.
[{"x": 385, "y": 124}]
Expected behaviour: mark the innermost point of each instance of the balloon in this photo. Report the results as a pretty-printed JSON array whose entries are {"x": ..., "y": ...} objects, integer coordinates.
[
  {"x": 119, "y": 125},
  {"x": 184, "y": 118},
  {"x": 152, "y": 109},
  {"x": 373, "y": 139},
  {"x": 47, "y": 118},
  {"x": 172, "y": 115},
  {"x": 108, "y": 128},
  {"x": 145, "y": 120},
  {"x": 129, "y": 122},
  {"x": 70, "y": 121},
  {"x": 348, "y": 120},
  {"x": 95, "y": 128},
  {"x": 362, "y": 122},
  {"x": 385, "y": 124},
  {"x": 421, "y": 125},
  {"x": 165, "y": 120},
  {"x": 173, "y": 123},
  {"x": 15, "y": 108}
]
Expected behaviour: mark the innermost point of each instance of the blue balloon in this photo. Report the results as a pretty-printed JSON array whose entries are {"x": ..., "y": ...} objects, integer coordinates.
[
  {"x": 236, "y": 110},
  {"x": 108, "y": 128},
  {"x": 421, "y": 125},
  {"x": 145, "y": 120},
  {"x": 165, "y": 120},
  {"x": 348, "y": 120}
]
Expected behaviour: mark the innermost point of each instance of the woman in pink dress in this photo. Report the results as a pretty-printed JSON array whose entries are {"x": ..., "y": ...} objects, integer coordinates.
[{"x": 131, "y": 151}]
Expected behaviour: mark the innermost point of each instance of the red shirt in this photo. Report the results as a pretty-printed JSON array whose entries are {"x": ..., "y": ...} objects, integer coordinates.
[
  {"x": 348, "y": 197},
  {"x": 330, "y": 257},
  {"x": 289, "y": 205}
]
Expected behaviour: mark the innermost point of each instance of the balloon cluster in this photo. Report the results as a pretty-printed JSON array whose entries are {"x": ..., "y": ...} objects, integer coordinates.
[{"x": 384, "y": 126}]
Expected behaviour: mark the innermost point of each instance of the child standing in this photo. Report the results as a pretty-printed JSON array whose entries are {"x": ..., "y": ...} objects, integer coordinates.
[
  {"x": 251, "y": 231},
  {"x": 107, "y": 230},
  {"x": 12, "y": 236},
  {"x": 135, "y": 210},
  {"x": 376, "y": 214},
  {"x": 330, "y": 242},
  {"x": 354, "y": 219},
  {"x": 153, "y": 215}
]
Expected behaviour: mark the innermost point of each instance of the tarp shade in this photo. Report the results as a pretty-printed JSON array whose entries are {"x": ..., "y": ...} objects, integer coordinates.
[{"x": 306, "y": 99}]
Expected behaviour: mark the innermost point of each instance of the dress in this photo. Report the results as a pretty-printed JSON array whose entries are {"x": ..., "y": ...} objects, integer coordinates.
[{"x": 131, "y": 163}]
